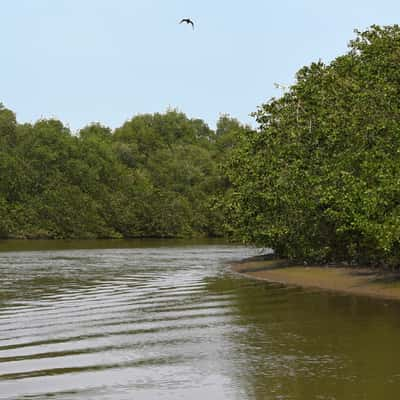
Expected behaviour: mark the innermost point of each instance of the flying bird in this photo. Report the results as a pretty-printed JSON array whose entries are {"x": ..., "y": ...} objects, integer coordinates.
[{"x": 187, "y": 21}]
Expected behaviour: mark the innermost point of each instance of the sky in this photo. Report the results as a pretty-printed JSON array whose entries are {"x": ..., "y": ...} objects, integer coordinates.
[{"x": 85, "y": 61}]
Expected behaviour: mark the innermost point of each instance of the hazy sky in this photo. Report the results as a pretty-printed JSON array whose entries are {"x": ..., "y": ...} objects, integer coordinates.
[{"x": 107, "y": 60}]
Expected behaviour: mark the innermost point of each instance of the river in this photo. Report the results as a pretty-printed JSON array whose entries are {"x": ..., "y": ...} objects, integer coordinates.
[{"x": 153, "y": 319}]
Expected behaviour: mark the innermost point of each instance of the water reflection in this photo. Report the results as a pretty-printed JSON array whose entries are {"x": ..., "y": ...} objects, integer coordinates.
[
  {"x": 150, "y": 321},
  {"x": 310, "y": 345}
]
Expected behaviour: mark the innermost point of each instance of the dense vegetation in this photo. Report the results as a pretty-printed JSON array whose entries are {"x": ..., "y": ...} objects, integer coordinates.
[
  {"x": 320, "y": 180},
  {"x": 156, "y": 176}
]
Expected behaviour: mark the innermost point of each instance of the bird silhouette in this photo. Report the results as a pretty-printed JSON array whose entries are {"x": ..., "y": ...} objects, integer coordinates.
[{"x": 187, "y": 21}]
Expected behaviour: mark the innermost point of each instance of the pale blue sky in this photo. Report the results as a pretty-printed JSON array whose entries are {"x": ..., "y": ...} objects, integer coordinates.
[{"x": 84, "y": 61}]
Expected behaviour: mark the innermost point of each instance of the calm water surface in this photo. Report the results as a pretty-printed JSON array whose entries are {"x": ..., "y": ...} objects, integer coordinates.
[{"x": 123, "y": 320}]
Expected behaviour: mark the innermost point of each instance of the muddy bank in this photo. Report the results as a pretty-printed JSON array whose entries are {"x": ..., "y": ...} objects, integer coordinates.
[{"x": 354, "y": 280}]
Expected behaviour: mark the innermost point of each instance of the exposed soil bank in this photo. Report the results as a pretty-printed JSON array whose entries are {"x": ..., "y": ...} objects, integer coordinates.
[{"x": 354, "y": 280}]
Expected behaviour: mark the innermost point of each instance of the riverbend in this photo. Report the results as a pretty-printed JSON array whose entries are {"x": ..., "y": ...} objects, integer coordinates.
[{"x": 105, "y": 320}]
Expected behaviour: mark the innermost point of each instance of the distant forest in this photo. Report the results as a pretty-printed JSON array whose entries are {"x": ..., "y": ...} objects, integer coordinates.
[
  {"x": 317, "y": 181},
  {"x": 158, "y": 175}
]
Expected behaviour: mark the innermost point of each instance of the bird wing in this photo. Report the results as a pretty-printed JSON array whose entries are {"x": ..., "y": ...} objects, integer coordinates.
[{"x": 188, "y": 21}]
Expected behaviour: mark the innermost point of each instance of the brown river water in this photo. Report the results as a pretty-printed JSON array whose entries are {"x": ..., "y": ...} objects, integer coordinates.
[{"x": 161, "y": 320}]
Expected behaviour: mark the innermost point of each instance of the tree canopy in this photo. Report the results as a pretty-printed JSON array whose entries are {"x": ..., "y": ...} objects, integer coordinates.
[
  {"x": 320, "y": 180},
  {"x": 155, "y": 176}
]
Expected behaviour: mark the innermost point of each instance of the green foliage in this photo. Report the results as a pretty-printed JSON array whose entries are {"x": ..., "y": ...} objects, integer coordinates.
[
  {"x": 7, "y": 127},
  {"x": 156, "y": 176},
  {"x": 320, "y": 180}
]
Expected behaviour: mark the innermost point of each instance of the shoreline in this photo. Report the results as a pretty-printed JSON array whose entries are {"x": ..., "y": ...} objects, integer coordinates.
[{"x": 361, "y": 281}]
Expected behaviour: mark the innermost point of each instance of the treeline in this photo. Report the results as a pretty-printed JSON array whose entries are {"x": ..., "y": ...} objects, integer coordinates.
[
  {"x": 320, "y": 180},
  {"x": 156, "y": 176}
]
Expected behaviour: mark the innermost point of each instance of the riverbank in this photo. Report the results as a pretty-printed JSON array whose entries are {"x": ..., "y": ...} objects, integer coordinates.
[{"x": 352, "y": 280}]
